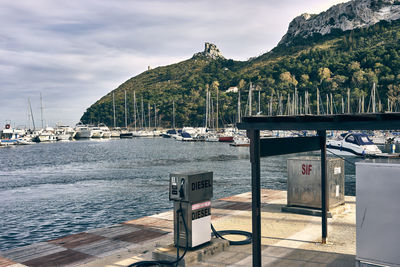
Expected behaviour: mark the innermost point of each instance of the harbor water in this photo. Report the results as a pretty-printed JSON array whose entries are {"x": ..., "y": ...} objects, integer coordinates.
[{"x": 50, "y": 190}]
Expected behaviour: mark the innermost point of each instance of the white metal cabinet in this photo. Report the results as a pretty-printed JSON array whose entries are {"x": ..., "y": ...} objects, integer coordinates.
[{"x": 378, "y": 212}]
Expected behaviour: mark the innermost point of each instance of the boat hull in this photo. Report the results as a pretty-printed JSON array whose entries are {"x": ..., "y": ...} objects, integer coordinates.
[{"x": 225, "y": 139}]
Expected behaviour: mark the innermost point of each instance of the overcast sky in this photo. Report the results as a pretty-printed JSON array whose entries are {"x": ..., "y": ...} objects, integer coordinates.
[{"x": 76, "y": 51}]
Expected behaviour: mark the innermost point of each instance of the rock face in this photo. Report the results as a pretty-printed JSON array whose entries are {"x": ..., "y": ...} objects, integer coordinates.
[
  {"x": 345, "y": 16},
  {"x": 210, "y": 51}
]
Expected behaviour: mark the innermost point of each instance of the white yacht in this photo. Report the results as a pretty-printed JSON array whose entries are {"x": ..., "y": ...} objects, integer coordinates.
[
  {"x": 46, "y": 135},
  {"x": 97, "y": 132},
  {"x": 64, "y": 133},
  {"x": 83, "y": 131},
  {"x": 142, "y": 133},
  {"x": 105, "y": 130},
  {"x": 211, "y": 137},
  {"x": 240, "y": 140},
  {"x": 115, "y": 134},
  {"x": 352, "y": 144}
]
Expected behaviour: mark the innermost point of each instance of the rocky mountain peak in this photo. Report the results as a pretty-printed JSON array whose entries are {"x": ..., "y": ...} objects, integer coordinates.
[
  {"x": 346, "y": 16},
  {"x": 210, "y": 51}
]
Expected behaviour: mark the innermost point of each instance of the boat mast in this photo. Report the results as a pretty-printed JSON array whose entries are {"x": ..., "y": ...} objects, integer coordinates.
[
  {"x": 250, "y": 93},
  {"x": 126, "y": 117},
  {"x": 373, "y": 99},
  {"x": 148, "y": 108},
  {"x": 41, "y": 109},
  {"x": 206, "y": 106},
  {"x": 362, "y": 103},
  {"x": 115, "y": 122},
  {"x": 239, "y": 111},
  {"x": 296, "y": 102},
  {"x": 142, "y": 116},
  {"x": 217, "y": 108},
  {"x": 280, "y": 109},
  {"x": 173, "y": 114},
  {"x": 348, "y": 100},
  {"x": 30, "y": 108},
  {"x": 134, "y": 107},
  {"x": 210, "y": 118},
  {"x": 155, "y": 116},
  {"x": 271, "y": 101},
  {"x": 317, "y": 101}
]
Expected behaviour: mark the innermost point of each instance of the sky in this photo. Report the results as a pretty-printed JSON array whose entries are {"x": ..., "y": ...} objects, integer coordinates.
[{"x": 74, "y": 52}]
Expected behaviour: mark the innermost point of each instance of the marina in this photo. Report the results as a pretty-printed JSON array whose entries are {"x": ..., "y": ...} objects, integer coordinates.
[
  {"x": 361, "y": 144},
  {"x": 140, "y": 149},
  {"x": 50, "y": 190}
]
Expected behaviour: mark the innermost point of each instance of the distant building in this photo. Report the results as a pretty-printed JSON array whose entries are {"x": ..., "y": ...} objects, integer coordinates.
[
  {"x": 148, "y": 68},
  {"x": 232, "y": 90}
]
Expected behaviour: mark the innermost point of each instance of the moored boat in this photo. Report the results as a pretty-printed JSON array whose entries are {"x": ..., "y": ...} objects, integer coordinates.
[
  {"x": 9, "y": 135},
  {"x": 240, "y": 141},
  {"x": 353, "y": 144},
  {"x": 83, "y": 131},
  {"x": 225, "y": 138},
  {"x": 105, "y": 130},
  {"x": 125, "y": 134},
  {"x": 97, "y": 132}
]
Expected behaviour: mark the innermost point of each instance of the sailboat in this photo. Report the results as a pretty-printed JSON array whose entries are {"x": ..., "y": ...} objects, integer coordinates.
[
  {"x": 125, "y": 133},
  {"x": 46, "y": 134},
  {"x": 115, "y": 133}
]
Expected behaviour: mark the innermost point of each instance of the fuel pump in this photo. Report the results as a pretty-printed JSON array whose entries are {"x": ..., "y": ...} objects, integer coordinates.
[{"x": 191, "y": 193}]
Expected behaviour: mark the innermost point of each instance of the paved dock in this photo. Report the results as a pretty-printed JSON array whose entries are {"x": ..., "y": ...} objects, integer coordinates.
[{"x": 287, "y": 239}]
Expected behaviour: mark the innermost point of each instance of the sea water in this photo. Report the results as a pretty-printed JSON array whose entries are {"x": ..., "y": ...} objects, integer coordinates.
[{"x": 49, "y": 190}]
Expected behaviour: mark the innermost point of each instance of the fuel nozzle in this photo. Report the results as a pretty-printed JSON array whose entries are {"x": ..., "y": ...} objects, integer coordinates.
[{"x": 181, "y": 191}]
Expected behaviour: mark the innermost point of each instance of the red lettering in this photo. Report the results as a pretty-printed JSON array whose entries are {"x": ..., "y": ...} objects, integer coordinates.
[{"x": 306, "y": 169}]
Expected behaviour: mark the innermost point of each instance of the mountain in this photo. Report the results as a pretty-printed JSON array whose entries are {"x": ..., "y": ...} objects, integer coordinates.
[
  {"x": 333, "y": 60},
  {"x": 346, "y": 16}
]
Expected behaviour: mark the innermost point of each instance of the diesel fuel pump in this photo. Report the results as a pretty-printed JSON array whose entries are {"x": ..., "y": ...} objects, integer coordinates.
[{"x": 191, "y": 193}]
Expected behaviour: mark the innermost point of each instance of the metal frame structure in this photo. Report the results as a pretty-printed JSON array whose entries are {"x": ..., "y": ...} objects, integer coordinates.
[{"x": 280, "y": 146}]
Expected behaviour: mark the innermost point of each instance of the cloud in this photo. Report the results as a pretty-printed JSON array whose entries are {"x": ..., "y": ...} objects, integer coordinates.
[{"x": 74, "y": 52}]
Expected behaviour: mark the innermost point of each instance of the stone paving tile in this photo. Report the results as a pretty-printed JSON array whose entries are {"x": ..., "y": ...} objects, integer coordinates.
[
  {"x": 289, "y": 263},
  {"x": 153, "y": 223},
  {"x": 168, "y": 215},
  {"x": 140, "y": 236},
  {"x": 63, "y": 258},
  {"x": 114, "y": 230},
  {"x": 29, "y": 252},
  {"x": 103, "y": 248},
  {"x": 282, "y": 256},
  {"x": 273, "y": 196},
  {"x": 76, "y": 240},
  {"x": 5, "y": 262},
  {"x": 215, "y": 217},
  {"x": 226, "y": 258},
  {"x": 219, "y": 204},
  {"x": 245, "y": 197},
  {"x": 238, "y": 206},
  {"x": 144, "y": 221}
]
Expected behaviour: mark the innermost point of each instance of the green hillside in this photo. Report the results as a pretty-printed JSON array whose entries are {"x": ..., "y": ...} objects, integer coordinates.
[{"x": 333, "y": 63}]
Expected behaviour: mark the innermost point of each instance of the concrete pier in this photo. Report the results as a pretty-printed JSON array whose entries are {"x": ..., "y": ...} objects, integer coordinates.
[{"x": 287, "y": 239}]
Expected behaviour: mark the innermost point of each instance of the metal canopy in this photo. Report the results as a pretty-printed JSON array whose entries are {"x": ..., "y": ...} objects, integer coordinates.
[
  {"x": 279, "y": 146},
  {"x": 372, "y": 121}
]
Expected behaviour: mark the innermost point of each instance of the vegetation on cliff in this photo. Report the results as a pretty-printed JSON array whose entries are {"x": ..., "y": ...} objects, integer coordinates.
[{"x": 332, "y": 63}]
